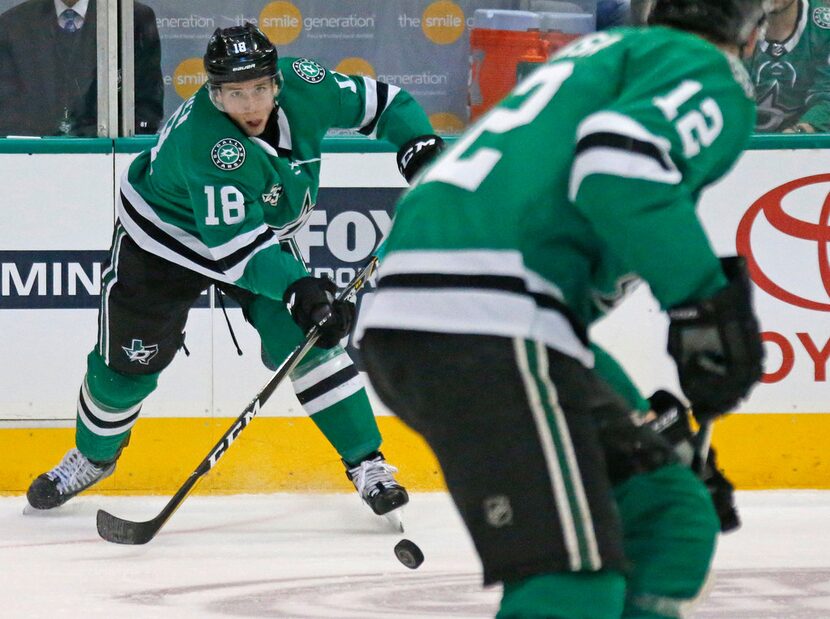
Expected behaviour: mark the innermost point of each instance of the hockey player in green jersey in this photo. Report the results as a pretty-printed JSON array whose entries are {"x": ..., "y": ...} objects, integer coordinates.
[
  {"x": 505, "y": 250},
  {"x": 791, "y": 68},
  {"x": 235, "y": 172}
]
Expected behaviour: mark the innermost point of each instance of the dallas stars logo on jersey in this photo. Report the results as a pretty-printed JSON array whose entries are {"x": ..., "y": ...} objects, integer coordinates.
[
  {"x": 228, "y": 154},
  {"x": 821, "y": 17},
  {"x": 309, "y": 70},
  {"x": 141, "y": 353}
]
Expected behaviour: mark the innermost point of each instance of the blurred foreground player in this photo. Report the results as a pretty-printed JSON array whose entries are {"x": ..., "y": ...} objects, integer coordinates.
[
  {"x": 537, "y": 221},
  {"x": 236, "y": 171}
]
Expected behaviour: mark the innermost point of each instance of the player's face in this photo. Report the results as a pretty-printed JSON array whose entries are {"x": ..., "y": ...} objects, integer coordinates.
[{"x": 249, "y": 103}]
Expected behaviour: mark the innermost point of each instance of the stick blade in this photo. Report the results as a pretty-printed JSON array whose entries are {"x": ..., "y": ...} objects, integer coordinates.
[{"x": 119, "y": 531}]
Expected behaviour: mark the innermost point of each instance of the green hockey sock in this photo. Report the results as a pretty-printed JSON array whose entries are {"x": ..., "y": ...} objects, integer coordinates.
[
  {"x": 669, "y": 528},
  {"x": 349, "y": 425},
  {"x": 98, "y": 448},
  {"x": 565, "y": 595},
  {"x": 110, "y": 392}
]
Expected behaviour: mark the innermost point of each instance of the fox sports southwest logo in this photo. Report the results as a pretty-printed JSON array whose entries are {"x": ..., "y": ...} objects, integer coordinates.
[{"x": 785, "y": 237}]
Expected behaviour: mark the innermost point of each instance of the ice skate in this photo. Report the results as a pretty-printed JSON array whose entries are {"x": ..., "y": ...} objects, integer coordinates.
[
  {"x": 373, "y": 480},
  {"x": 73, "y": 475}
]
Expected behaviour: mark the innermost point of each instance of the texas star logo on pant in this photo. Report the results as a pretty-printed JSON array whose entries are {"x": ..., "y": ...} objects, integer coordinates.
[
  {"x": 497, "y": 511},
  {"x": 141, "y": 353}
]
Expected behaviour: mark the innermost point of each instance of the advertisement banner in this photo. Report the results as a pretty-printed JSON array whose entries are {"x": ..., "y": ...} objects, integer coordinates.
[
  {"x": 421, "y": 46},
  {"x": 774, "y": 208}
]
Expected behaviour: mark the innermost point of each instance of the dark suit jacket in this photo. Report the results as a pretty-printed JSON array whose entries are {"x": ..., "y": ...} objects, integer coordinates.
[{"x": 48, "y": 76}]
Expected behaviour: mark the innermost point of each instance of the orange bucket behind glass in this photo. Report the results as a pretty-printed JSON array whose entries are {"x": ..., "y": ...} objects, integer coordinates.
[{"x": 494, "y": 55}]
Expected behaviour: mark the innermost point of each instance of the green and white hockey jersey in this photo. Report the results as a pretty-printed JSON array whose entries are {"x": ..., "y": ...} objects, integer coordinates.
[
  {"x": 583, "y": 180},
  {"x": 792, "y": 77},
  {"x": 215, "y": 201}
]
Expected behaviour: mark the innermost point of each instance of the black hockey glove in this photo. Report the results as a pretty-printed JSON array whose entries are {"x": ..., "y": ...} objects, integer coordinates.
[
  {"x": 311, "y": 301},
  {"x": 671, "y": 420},
  {"x": 418, "y": 152},
  {"x": 717, "y": 345}
]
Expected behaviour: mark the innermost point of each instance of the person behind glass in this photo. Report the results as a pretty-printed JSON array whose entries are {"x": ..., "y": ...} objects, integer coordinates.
[
  {"x": 54, "y": 42},
  {"x": 613, "y": 13},
  {"x": 791, "y": 71}
]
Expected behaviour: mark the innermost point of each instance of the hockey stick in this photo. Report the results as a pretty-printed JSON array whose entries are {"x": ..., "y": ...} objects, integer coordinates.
[
  {"x": 702, "y": 443},
  {"x": 120, "y": 531}
]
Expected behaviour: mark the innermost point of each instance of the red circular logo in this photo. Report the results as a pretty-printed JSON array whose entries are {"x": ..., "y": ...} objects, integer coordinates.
[{"x": 770, "y": 205}]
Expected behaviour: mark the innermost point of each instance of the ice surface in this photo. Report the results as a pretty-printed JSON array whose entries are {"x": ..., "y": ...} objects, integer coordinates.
[{"x": 328, "y": 556}]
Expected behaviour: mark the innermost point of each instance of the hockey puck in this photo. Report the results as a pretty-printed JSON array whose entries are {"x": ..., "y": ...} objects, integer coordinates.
[{"x": 409, "y": 554}]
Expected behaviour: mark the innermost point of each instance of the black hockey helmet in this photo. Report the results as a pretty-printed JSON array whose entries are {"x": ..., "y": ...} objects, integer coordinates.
[
  {"x": 723, "y": 21},
  {"x": 238, "y": 54}
]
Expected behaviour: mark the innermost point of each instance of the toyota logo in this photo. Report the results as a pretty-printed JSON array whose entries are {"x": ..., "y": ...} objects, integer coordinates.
[{"x": 780, "y": 227}]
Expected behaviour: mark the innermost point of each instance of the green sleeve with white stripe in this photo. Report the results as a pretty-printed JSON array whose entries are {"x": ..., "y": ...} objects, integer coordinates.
[
  {"x": 380, "y": 110},
  {"x": 639, "y": 191},
  {"x": 334, "y": 99}
]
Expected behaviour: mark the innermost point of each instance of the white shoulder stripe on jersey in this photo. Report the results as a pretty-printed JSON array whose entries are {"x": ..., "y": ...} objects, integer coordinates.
[
  {"x": 370, "y": 108},
  {"x": 620, "y": 124},
  {"x": 392, "y": 92},
  {"x": 613, "y": 162},
  {"x": 618, "y": 162}
]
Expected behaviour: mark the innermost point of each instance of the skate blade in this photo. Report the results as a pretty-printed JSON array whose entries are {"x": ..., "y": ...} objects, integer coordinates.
[
  {"x": 394, "y": 519},
  {"x": 32, "y": 512}
]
